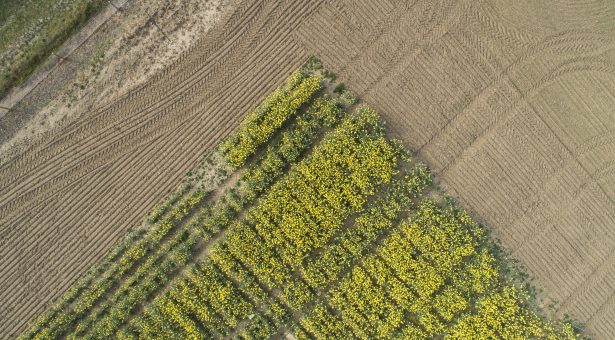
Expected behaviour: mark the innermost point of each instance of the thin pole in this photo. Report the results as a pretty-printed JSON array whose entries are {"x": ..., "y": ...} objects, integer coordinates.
[
  {"x": 160, "y": 29},
  {"x": 114, "y": 6}
]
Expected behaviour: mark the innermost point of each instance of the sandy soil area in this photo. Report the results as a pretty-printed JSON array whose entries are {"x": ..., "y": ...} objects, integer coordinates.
[{"x": 136, "y": 40}]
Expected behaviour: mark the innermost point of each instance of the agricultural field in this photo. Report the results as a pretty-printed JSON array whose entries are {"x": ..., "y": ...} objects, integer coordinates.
[
  {"x": 507, "y": 103},
  {"x": 321, "y": 226}
]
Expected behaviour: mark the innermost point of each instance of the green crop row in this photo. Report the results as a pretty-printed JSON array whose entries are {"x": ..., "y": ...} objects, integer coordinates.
[
  {"x": 205, "y": 300},
  {"x": 435, "y": 276},
  {"x": 81, "y": 304},
  {"x": 258, "y": 127}
]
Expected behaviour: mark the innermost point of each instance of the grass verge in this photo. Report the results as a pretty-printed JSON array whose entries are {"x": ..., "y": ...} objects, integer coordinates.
[{"x": 34, "y": 30}]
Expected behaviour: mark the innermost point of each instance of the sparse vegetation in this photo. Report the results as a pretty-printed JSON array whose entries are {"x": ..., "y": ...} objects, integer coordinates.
[
  {"x": 329, "y": 75},
  {"x": 340, "y": 88},
  {"x": 33, "y": 30}
]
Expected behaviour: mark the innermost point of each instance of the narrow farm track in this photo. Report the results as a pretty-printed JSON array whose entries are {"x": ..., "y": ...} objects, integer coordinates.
[{"x": 512, "y": 112}]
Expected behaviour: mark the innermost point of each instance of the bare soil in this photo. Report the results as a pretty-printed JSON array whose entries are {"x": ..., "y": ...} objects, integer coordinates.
[{"x": 510, "y": 103}]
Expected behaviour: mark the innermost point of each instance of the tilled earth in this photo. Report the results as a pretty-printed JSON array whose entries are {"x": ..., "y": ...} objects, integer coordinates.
[{"x": 509, "y": 103}]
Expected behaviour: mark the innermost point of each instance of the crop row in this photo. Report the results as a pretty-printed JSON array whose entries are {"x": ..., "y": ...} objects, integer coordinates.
[
  {"x": 77, "y": 289},
  {"x": 261, "y": 124},
  {"x": 247, "y": 282},
  {"x": 137, "y": 288},
  {"x": 258, "y": 253},
  {"x": 296, "y": 139},
  {"x": 107, "y": 264},
  {"x": 81, "y": 304},
  {"x": 202, "y": 305},
  {"x": 378, "y": 219},
  {"x": 312, "y": 201},
  {"x": 295, "y": 294},
  {"x": 80, "y": 299},
  {"x": 323, "y": 268},
  {"x": 159, "y": 209},
  {"x": 324, "y": 112},
  {"x": 434, "y": 276}
]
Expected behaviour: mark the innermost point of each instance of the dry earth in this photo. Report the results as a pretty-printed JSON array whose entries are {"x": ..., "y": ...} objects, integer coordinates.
[{"x": 511, "y": 103}]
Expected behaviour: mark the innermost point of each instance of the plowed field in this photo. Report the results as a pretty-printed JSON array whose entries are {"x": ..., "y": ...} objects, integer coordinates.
[{"x": 509, "y": 104}]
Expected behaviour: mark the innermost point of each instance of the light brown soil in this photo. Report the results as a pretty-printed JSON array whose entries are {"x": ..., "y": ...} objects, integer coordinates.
[
  {"x": 511, "y": 104},
  {"x": 118, "y": 51}
]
